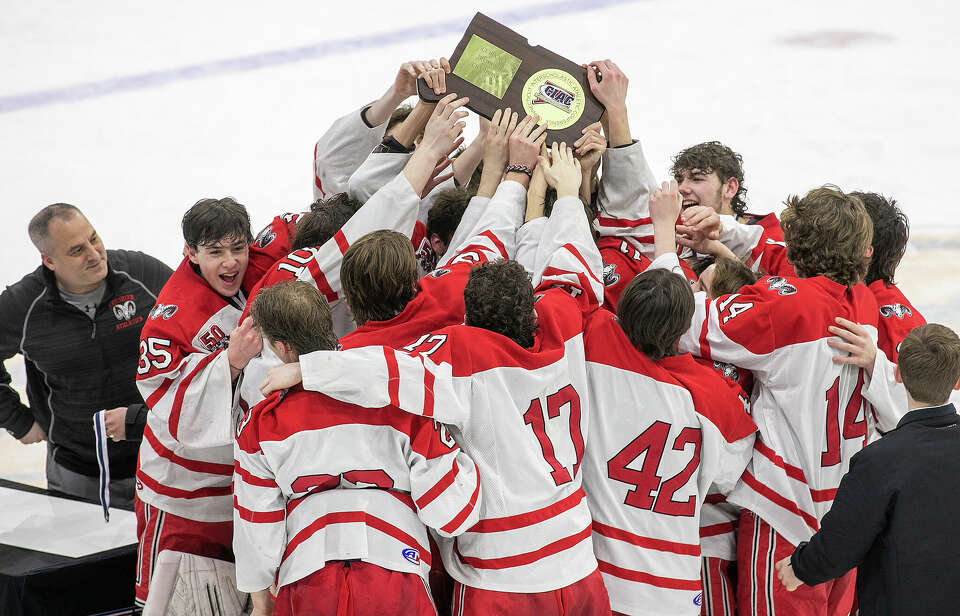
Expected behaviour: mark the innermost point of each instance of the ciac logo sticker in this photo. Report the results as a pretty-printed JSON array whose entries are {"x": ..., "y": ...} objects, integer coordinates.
[{"x": 554, "y": 95}]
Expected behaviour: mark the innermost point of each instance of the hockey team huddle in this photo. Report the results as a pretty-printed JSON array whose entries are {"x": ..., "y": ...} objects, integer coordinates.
[{"x": 516, "y": 376}]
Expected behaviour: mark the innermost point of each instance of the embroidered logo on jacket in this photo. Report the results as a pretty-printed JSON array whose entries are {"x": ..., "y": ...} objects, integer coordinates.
[
  {"x": 411, "y": 555},
  {"x": 125, "y": 311},
  {"x": 781, "y": 286},
  {"x": 895, "y": 310}
]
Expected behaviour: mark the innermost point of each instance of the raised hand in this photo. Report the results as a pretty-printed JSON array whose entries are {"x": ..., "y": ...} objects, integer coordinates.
[
  {"x": 246, "y": 342},
  {"x": 444, "y": 126},
  {"x": 562, "y": 170},
  {"x": 435, "y": 74},
  {"x": 526, "y": 140},
  {"x": 590, "y": 147},
  {"x": 665, "y": 204},
  {"x": 496, "y": 150},
  {"x": 609, "y": 84}
]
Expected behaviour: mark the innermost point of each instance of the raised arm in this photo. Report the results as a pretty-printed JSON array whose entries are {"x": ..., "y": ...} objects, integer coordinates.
[{"x": 567, "y": 255}]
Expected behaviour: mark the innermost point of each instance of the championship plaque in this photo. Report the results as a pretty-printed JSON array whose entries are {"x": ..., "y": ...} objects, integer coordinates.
[{"x": 497, "y": 68}]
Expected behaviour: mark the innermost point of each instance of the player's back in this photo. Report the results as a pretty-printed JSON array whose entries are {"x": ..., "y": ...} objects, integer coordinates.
[
  {"x": 526, "y": 428},
  {"x": 661, "y": 433},
  {"x": 809, "y": 410},
  {"x": 345, "y": 482}
]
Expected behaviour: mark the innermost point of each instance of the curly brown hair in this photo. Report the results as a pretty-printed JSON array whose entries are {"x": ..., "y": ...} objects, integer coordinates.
[
  {"x": 379, "y": 276},
  {"x": 891, "y": 230},
  {"x": 828, "y": 233},
  {"x": 654, "y": 311},
  {"x": 713, "y": 156},
  {"x": 499, "y": 297}
]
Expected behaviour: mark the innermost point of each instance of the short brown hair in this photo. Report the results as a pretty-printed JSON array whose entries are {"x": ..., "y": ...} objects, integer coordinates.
[
  {"x": 828, "y": 233},
  {"x": 891, "y": 230},
  {"x": 929, "y": 361},
  {"x": 654, "y": 311},
  {"x": 499, "y": 297},
  {"x": 445, "y": 214},
  {"x": 325, "y": 218},
  {"x": 209, "y": 221},
  {"x": 295, "y": 313},
  {"x": 39, "y": 227},
  {"x": 379, "y": 276},
  {"x": 729, "y": 275}
]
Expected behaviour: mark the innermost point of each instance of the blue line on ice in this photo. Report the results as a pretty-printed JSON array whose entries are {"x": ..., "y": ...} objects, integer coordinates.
[{"x": 279, "y": 57}]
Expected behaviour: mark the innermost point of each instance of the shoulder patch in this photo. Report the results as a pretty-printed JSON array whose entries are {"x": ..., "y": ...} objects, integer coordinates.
[
  {"x": 610, "y": 275},
  {"x": 781, "y": 286},
  {"x": 265, "y": 237},
  {"x": 895, "y": 310},
  {"x": 163, "y": 311},
  {"x": 438, "y": 272}
]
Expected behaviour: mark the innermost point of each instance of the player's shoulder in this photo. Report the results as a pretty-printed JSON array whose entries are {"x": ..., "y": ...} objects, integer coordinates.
[
  {"x": 892, "y": 303},
  {"x": 184, "y": 303},
  {"x": 715, "y": 397}
]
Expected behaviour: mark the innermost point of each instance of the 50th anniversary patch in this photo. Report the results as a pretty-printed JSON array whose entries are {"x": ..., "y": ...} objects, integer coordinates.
[{"x": 554, "y": 95}]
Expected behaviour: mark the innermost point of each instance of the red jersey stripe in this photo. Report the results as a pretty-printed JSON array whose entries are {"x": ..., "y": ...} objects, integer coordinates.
[
  {"x": 496, "y": 242},
  {"x": 342, "y": 242},
  {"x": 704, "y": 345},
  {"x": 623, "y": 223},
  {"x": 321, "y": 279},
  {"x": 576, "y": 253},
  {"x": 428, "y": 379},
  {"x": 647, "y": 578},
  {"x": 779, "y": 500},
  {"x": 197, "y": 466},
  {"x": 158, "y": 393},
  {"x": 649, "y": 543},
  {"x": 717, "y": 529},
  {"x": 182, "y": 391},
  {"x": 348, "y": 517},
  {"x": 520, "y": 520},
  {"x": 430, "y": 495},
  {"x": 526, "y": 558},
  {"x": 793, "y": 472},
  {"x": 823, "y": 496},
  {"x": 159, "y": 488},
  {"x": 252, "y": 479},
  {"x": 259, "y": 517},
  {"x": 455, "y": 523}
]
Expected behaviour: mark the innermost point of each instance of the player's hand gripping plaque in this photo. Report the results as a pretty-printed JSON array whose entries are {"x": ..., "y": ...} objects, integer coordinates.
[{"x": 497, "y": 68}]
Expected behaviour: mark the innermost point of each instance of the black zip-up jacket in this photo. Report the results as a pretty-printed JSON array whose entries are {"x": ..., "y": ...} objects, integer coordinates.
[
  {"x": 895, "y": 518},
  {"x": 76, "y": 365}
]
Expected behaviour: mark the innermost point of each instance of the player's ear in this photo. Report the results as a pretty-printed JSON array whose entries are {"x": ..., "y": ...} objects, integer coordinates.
[
  {"x": 896, "y": 375},
  {"x": 190, "y": 253},
  {"x": 869, "y": 253},
  {"x": 730, "y": 188},
  {"x": 437, "y": 244},
  {"x": 957, "y": 386}
]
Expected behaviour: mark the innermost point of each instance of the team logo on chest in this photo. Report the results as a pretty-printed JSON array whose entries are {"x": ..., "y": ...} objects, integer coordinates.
[
  {"x": 781, "y": 286},
  {"x": 895, "y": 310},
  {"x": 125, "y": 311}
]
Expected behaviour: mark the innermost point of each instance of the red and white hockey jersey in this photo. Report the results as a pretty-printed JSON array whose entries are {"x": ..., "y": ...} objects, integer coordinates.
[
  {"x": 810, "y": 411},
  {"x": 274, "y": 241},
  {"x": 341, "y": 150},
  {"x": 758, "y": 242},
  {"x": 651, "y": 462},
  {"x": 897, "y": 318},
  {"x": 439, "y": 301},
  {"x": 185, "y": 465},
  {"x": 523, "y": 417},
  {"x": 623, "y": 196},
  {"x": 320, "y": 480},
  {"x": 392, "y": 207},
  {"x": 623, "y": 260}
]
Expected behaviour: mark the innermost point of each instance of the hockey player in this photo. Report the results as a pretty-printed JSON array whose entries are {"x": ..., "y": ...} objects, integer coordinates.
[
  {"x": 187, "y": 377},
  {"x": 518, "y": 362},
  {"x": 710, "y": 175},
  {"x": 809, "y": 409},
  {"x": 331, "y": 499},
  {"x": 650, "y": 462}
]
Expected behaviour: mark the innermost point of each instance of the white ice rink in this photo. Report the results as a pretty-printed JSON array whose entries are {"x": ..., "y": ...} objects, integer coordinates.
[{"x": 133, "y": 111}]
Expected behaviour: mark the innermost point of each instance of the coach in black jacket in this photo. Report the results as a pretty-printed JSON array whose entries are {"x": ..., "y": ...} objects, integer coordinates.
[
  {"x": 76, "y": 319},
  {"x": 897, "y": 509}
]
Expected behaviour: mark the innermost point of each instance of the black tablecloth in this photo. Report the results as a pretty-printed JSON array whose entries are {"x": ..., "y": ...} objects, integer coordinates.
[{"x": 37, "y": 583}]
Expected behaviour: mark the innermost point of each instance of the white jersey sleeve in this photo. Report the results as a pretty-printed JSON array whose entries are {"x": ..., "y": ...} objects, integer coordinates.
[
  {"x": 466, "y": 226},
  {"x": 495, "y": 232},
  {"x": 341, "y": 150},
  {"x": 624, "y": 195},
  {"x": 887, "y": 397},
  {"x": 259, "y": 521},
  {"x": 739, "y": 238},
  {"x": 376, "y": 170},
  {"x": 528, "y": 241},
  {"x": 567, "y": 255}
]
